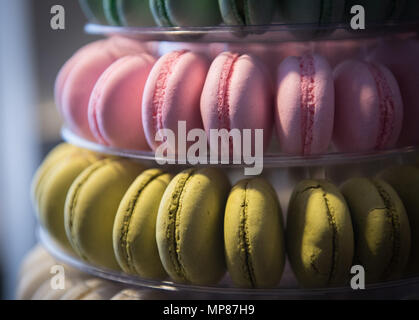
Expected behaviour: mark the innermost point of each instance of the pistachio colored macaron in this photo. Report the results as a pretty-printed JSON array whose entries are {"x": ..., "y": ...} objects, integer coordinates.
[
  {"x": 381, "y": 227},
  {"x": 134, "y": 230},
  {"x": 189, "y": 229},
  {"x": 135, "y": 13},
  {"x": 253, "y": 235},
  {"x": 91, "y": 206},
  {"x": 319, "y": 234},
  {"x": 55, "y": 186},
  {"x": 54, "y": 157},
  {"x": 405, "y": 180}
]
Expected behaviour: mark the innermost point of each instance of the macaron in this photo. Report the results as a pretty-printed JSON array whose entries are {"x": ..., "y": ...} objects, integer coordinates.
[
  {"x": 134, "y": 13},
  {"x": 248, "y": 12},
  {"x": 304, "y": 112},
  {"x": 235, "y": 84},
  {"x": 76, "y": 79},
  {"x": 93, "y": 10},
  {"x": 405, "y": 181},
  {"x": 368, "y": 109},
  {"x": 172, "y": 93},
  {"x": 91, "y": 206},
  {"x": 111, "y": 13},
  {"x": 114, "y": 111},
  {"x": 400, "y": 56},
  {"x": 253, "y": 235},
  {"x": 185, "y": 13},
  {"x": 321, "y": 12},
  {"x": 51, "y": 197},
  {"x": 381, "y": 227},
  {"x": 189, "y": 227},
  {"x": 134, "y": 230},
  {"x": 319, "y": 235}
]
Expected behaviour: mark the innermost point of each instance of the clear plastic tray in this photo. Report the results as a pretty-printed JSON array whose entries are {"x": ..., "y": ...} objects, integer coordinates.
[
  {"x": 401, "y": 289},
  {"x": 269, "y": 33}
]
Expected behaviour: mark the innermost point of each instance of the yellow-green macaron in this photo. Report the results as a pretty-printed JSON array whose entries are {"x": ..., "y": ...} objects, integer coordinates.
[
  {"x": 381, "y": 227},
  {"x": 189, "y": 228},
  {"x": 91, "y": 206},
  {"x": 319, "y": 234},
  {"x": 253, "y": 235},
  {"x": 134, "y": 231}
]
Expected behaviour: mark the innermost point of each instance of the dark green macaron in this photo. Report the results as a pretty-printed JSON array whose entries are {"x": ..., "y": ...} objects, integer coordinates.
[
  {"x": 93, "y": 10},
  {"x": 111, "y": 13},
  {"x": 247, "y": 12},
  {"x": 134, "y": 13}
]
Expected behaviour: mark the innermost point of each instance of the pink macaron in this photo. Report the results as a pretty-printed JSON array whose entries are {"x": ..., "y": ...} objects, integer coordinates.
[
  {"x": 114, "y": 111},
  {"x": 304, "y": 105},
  {"x": 172, "y": 93},
  {"x": 401, "y": 57},
  {"x": 369, "y": 108},
  {"x": 238, "y": 95},
  {"x": 77, "y": 78}
]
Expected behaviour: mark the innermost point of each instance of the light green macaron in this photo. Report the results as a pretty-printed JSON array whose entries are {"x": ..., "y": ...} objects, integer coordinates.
[
  {"x": 134, "y": 231},
  {"x": 381, "y": 226},
  {"x": 91, "y": 206},
  {"x": 253, "y": 235},
  {"x": 189, "y": 229},
  {"x": 405, "y": 180},
  {"x": 319, "y": 235}
]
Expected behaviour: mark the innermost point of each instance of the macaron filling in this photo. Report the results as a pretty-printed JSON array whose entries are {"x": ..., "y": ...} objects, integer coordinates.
[
  {"x": 159, "y": 94},
  {"x": 245, "y": 239},
  {"x": 308, "y": 104},
  {"x": 391, "y": 214},
  {"x": 224, "y": 89},
  {"x": 172, "y": 231},
  {"x": 386, "y": 107},
  {"x": 240, "y": 9},
  {"x": 129, "y": 210},
  {"x": 333, "y": 226}
]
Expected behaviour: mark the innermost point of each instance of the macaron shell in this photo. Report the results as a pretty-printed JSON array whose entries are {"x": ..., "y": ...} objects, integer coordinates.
[
  {"x": 242, "y": 87},
  {"x": 178, "y": 77},
  {"x": 54, "y": 192},
  {"x": 249, "y": 12},
  {"x": 160, "y": 14},
  {"x": 381, "y": 227},
  {"x": 134, "y": 231},
  {"x": 190, "y": 223},
  {"x": 93, "y": 10},
  {"x": 312, "y": 11},
  {"x": 115, "y": 103},
  {"x": 134, "y": 13},
  {"x": 254, "y": 239},
  {"x": 302, "y": 131},
  {"x": 405, "y": 181},
  {"x": 192, "y": 13},
  {"x": 358, "y": 110},
  {"x": 111, "y": 12},
  {"x": 91, "y": 206},
  {"x": 319, "y": 235}
]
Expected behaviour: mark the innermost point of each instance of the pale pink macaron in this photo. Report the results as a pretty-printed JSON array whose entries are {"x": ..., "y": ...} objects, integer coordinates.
[
  {"x": 172, "y": 93},
  {"x": 76, "y": 79},
  {"x": 401, "y": 57},
  {"x": 305, "y": 105},
  {"x": 115, "y": 103},
  {"x": 369, "y": 108},
  {"x": 238, "y": 95}
]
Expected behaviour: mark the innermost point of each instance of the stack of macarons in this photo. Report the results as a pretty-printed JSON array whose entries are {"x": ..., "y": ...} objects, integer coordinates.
[
  {"x": 192, "y": 13},
  {"x": 119, "y": 215},
  {"x": 114, "y": 93}
]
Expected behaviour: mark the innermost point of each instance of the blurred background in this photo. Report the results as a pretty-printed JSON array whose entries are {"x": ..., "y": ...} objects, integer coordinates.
[{"x": 31, "y": 54}]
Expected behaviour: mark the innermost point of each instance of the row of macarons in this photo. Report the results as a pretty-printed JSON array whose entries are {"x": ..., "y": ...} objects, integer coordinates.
[
  {"x": 192, "y": 13},
  {"x": 192, "y": 226},
  {"x": 34, "y": 282},
  {"x": 111, "y": 92}
]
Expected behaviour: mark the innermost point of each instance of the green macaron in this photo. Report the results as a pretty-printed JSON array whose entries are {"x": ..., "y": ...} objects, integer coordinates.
[
  {"x": 134, "y": 13},
  {"x": 405, "y": 180},
  {"x": 91, "y": 206},
  {"x": 111, "y": 12},
  {"x": 319, "y": 234},
  {"x": 189, "y": 228},
  {"x": 381, "y": 227},
  {"x": 253, "y": 235},
  {"x": 94, "y": 11},
  {"x": 247, "y": 12},
  {"x": 134, "y": 231},
  {"x": 185, "y": 13}
]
